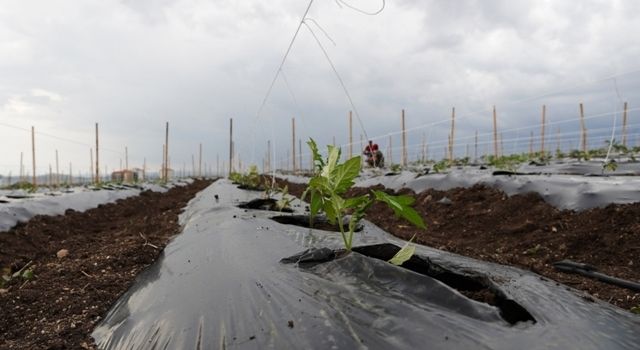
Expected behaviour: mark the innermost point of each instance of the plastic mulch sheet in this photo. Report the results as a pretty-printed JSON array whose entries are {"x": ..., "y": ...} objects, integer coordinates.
[{"x": 221, "y": 285}]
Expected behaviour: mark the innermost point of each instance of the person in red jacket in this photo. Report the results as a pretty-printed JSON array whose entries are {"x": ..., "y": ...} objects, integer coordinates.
[{"x": 375, "y": 158}]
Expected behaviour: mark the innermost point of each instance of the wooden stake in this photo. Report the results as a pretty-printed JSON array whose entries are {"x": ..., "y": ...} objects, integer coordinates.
[
  {"x": 97, "y": 158},
  {"x": 57, "y": 171},
  {"x": 70, "y": 180},
  {"x": 544, "y": 116},
  {"x": 126, "y": 158},
  {"x": 293, "y": 144},
  {"x": 217, "y": 164},
  {"x": 350, "y": 135},
  {"x": 452, "y": 135},
  {"x": 144, "y": 168},
  {"x": 495, "y": 133},
  {"x": 624, "y": 125},
  {"x": 193, "y": 166},
  {"x": 166, "y": 152},
  {"x": 404, "y": 142},
  {"x": 558, "y": 140},
  {"x": 584, "y": 129},
  {"x": 200, "y": 161},
  {"x": 230, "y": 146},
  {"x": 475, "y": 154},
  {"x": 164, "y": 163},
  {"x": 33, "y": 156},
  {"x": 50, "y": 184}
]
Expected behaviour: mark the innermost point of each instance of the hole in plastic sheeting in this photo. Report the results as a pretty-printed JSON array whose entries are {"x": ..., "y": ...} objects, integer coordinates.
[
  {"x": 264, "y": 204},
  {"x": 478, "y": 287},
  {"x": 319, "y": 222}
]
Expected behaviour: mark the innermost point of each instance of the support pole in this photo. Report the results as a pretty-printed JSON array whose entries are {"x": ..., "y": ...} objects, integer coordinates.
[
  {"x": 475, "y": 154},
  {"x": 544, "y": 116},
  {"x": 126, "y": 158},
  {"x": 495, "y": 133},
  {"x": 33, "y": 157},
  {"x": 584, "y": 129},
  {"x": 166, "y": 152},
  {"x": 97, "y": 158},
  {"x": 452, "y": 135},
  {"x": 200, "y": 161},
  {"x": 624, "y": 125},
  {"x": 144, "y": 168},
  {"x": 57, "y": 171}
]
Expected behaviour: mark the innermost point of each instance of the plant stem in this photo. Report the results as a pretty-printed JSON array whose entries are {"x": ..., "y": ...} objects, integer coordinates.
[{"x": 347, "y": 243}]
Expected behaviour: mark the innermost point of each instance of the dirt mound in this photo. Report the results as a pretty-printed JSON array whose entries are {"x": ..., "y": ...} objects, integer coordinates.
[
  {"x": 524, "y": 231},
  {"x": 106, "y": 248}
]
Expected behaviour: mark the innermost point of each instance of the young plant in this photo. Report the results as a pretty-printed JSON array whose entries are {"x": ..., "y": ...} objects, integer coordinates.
[
  {"x": 333, "y": 179},
  {"x": 285, "y": 200}
]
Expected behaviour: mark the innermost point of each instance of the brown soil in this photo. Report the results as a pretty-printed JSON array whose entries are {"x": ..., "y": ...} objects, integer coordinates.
[
  {"x": 107, "y": 247},
  {"x": 524, "y": 231}
]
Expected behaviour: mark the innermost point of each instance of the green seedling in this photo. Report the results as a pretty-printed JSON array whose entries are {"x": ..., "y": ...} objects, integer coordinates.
[
  {"x": 251, "y": 179},
  {"x": 635, "y": 310},
  {"x": 610, "y": 165},
  {"x": 333, "y": 179},
  {"x": 285, "y": 200}
]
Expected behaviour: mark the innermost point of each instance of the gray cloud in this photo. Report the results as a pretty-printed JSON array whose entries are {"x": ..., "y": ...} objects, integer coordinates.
[{"x": 132, "y": 65}]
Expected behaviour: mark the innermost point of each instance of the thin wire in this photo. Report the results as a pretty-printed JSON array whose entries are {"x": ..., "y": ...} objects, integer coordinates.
[
  {"x": 346, "y": 91},
  {"x": 342, "y": 2},
  {"x": 284, "y": 58},
  {"x": 613, "y": 128},
  {"x": 322, "y": 29}
]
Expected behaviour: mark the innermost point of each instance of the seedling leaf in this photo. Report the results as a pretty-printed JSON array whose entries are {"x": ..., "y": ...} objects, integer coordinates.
[
  {"x": 401, "y": 207},
  {"x": 404, "y": 254}
]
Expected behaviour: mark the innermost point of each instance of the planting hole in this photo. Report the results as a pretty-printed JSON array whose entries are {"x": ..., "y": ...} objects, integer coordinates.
[
  {"x": 478, "y": 288},
  {"x": 264, "y": 204},
  {"x": 319, "y": 222}
]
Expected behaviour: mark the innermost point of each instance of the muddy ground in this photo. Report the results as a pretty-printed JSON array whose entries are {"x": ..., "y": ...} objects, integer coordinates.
[
  {"x": 107, "y": 247},
  {"x": 524, "y": 231}
]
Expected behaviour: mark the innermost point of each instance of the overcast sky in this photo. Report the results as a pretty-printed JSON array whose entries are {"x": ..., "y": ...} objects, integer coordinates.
[{"x": 133, "y": 65}]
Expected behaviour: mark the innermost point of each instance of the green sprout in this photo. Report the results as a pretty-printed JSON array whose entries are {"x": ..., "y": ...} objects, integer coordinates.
[{"x": 333, "y": 179}]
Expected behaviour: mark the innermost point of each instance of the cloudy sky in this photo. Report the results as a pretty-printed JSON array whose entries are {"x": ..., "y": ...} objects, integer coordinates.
[{"x": 132, "y": 65}]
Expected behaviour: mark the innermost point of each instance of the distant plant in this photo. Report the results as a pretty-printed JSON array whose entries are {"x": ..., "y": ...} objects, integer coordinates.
[
  {"x": 251, "y": 179},
  {"x": 441, "y": 166},
  {"x": 23, "y": 185},
  {"x": 510, "y": 162},
  {"x": 330, "y": 183},
  {"x": 635, "y": 310},
  {"x": 578, "y": 155},
  {"x": 285, "y": 200},
  {"x": 610, "y": 165},
  {"x": 560, "y": 154},
  {"x": 395, "y": 168}
]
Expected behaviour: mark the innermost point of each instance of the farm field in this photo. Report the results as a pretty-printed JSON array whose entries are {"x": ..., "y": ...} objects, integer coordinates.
[
  {"x": 524, "y": 231},
  {"x": 106, "y": 248}
]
